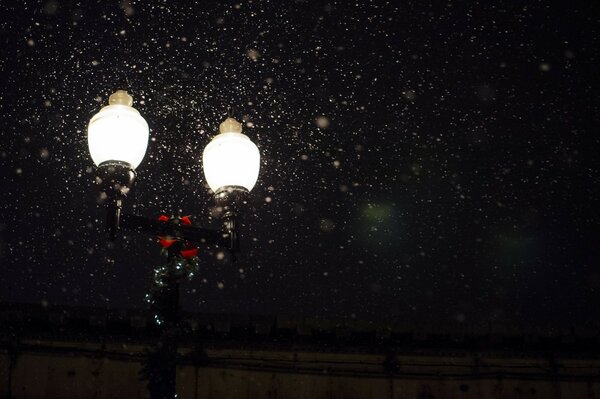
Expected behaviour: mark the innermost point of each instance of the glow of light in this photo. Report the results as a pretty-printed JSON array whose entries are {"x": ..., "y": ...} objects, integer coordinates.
[
  {"x": 231, "y": 158},
  {"x": 118, "y": 132}
]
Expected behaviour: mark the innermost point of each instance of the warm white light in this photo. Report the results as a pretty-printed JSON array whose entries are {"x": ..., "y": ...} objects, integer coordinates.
[
  {"x": 118, "y": 132},
  {"x": 231, "y": 159}
]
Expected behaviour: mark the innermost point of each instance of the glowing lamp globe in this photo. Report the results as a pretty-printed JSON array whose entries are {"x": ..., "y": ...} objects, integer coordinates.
[
  {"x": 118, "y": 133},
  {"x": 231, "y": 160}
]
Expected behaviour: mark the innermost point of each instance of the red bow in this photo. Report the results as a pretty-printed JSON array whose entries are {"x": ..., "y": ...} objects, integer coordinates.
[{"x": 189, "y": 251}]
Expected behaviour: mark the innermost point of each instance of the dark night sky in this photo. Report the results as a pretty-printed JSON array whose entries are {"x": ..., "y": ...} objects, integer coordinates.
[{"x": 421, "y": 162}]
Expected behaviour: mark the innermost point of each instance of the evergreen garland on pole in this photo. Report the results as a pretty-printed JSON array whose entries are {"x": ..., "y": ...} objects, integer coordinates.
[{"x": 181, "y": 263}]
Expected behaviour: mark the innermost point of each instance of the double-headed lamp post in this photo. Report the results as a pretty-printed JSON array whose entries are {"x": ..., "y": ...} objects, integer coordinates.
[{"x": 118, "y": 139}]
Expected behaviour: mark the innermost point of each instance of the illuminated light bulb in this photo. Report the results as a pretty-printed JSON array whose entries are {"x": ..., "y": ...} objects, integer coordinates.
[
  {"x": 118, "y": 133},
  {"x": 231, "y": 159}
]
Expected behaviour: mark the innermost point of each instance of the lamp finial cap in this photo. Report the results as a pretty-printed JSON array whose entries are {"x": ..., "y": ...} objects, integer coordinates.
[
  {"x": 120, "y": 97},
  {"x": 230, "y": 125}
]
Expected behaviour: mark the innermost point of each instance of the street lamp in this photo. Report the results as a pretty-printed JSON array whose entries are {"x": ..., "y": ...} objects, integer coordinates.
[
  {"x": 231, "y": 159},
  {"x": 118, "y": 134},
  {"x": 231, "y": 164},
  {"x": 118, "y": 139}
]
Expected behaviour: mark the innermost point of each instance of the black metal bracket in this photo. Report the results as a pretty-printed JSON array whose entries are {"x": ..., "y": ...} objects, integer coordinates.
[
  {"x": 193, "y": 234},
  {"x": 116, "y": 178},
  {"x": 230, "y": 200}
]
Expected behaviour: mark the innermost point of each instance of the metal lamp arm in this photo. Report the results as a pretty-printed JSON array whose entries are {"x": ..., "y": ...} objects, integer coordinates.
[{"x": 193, "y": 234}]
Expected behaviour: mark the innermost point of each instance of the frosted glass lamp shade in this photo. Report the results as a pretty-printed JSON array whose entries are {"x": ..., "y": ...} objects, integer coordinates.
[
  {"x": 231, "y": 159},
  {"x": 118, "y": 132}
]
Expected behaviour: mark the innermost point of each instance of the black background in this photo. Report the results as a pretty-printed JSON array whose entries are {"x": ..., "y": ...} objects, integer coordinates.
[{"x": 422, "y": 162}]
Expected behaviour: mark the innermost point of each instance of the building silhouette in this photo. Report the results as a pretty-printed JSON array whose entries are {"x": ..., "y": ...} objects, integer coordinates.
[{"x": 62, "y": 352}]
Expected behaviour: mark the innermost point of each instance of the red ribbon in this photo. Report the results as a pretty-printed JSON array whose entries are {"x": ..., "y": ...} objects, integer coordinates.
[{"x": 189, "y": 251}]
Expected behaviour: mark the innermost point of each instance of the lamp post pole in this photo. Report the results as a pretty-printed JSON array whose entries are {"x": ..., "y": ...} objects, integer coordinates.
[
  {"x": 118, "y": 139},
  {"x": 160, "y": 366}
]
